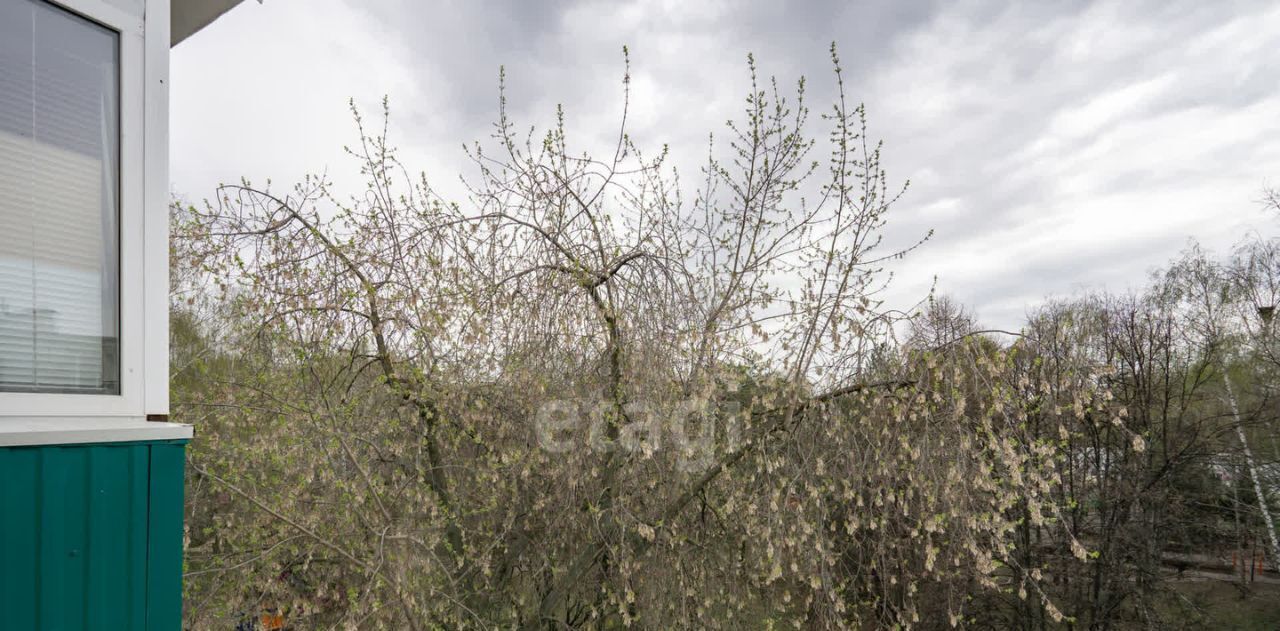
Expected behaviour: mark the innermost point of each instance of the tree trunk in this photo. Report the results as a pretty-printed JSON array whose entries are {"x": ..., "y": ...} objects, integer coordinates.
[{"x": 1253, "y": 473}]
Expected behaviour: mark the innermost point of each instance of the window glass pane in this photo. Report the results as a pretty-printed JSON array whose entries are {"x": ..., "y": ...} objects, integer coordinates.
[{"x": 59, "y": 201}]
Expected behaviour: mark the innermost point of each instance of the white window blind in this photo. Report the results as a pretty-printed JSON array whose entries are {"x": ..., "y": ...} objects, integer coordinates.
[{"x": 59, "y": 201}]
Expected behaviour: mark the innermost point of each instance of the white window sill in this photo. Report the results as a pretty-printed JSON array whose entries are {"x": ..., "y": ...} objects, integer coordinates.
[{"x": 28, "y": 431}]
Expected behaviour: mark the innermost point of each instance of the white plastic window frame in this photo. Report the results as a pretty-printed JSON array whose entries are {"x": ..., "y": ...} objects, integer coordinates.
[{"x": 143, "y": 247}]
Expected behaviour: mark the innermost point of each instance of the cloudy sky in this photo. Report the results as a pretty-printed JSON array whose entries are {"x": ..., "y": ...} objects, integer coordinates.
[{"x": 1053, "y": 147}]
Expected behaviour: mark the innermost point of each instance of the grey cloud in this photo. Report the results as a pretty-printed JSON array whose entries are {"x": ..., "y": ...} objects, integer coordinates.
[
  {"x": 548, "y": 61},
  {"x": 1022, "y": 126}
]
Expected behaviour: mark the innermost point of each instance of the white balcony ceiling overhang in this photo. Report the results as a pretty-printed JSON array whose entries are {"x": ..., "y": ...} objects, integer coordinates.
[{"x": 188, "y": 16}]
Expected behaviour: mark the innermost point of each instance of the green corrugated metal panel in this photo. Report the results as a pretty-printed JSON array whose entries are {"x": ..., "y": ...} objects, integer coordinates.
[
  {"x": 164, "y": 545},
  {"x": 19, "y": 495},
  {"x": 91, "y": 536}
]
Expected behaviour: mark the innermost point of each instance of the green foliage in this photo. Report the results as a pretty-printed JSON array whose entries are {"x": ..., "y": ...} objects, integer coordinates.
[{"x": 371, "y": 378}]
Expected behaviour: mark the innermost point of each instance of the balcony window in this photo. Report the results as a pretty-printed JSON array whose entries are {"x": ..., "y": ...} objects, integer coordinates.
[{"x": 59, "y": 201}]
